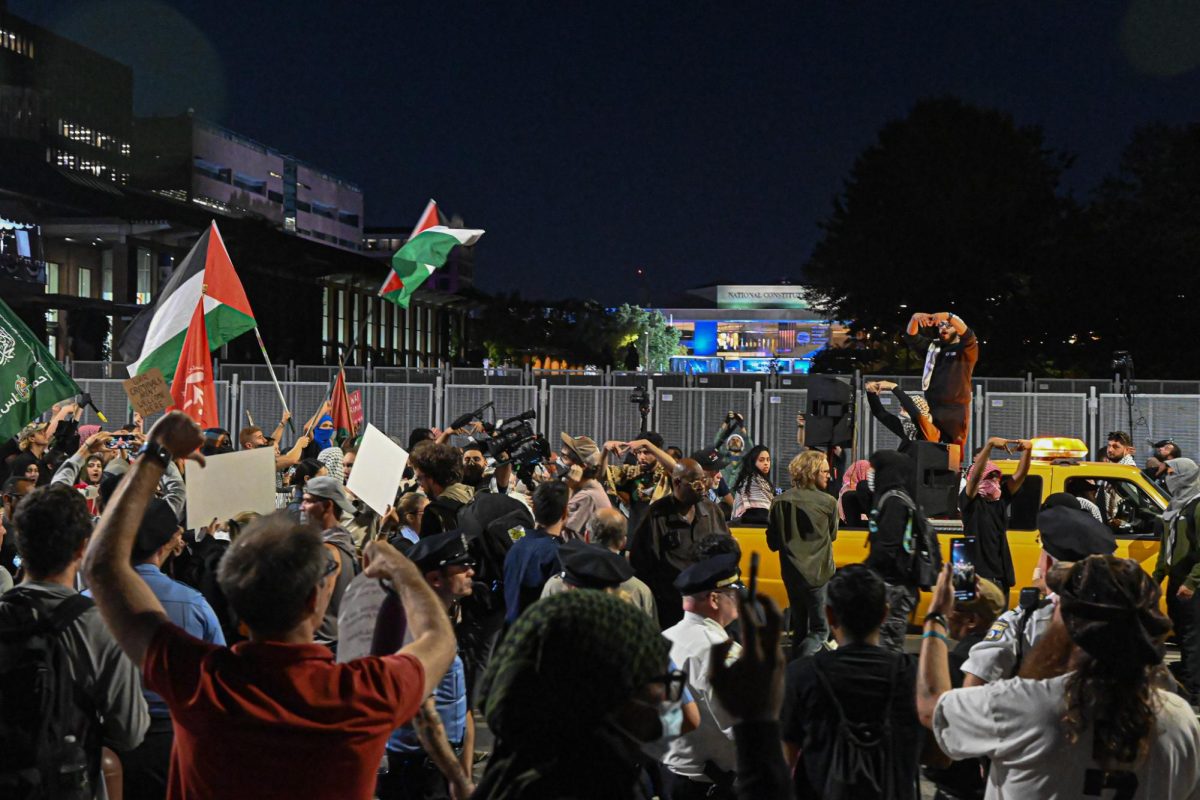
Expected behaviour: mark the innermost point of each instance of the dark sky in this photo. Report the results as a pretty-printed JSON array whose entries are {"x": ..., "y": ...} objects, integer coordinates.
[{"x": 701, "y": 141}]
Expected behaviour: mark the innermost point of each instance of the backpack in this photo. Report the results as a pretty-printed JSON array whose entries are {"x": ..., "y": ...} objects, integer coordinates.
[
  {"x": 446, "y": 511},
  {"x": 861, "y": 756},
  {"x": 39, "y": 703},
  {"x": 920, "y": 542},
  {"x": 486, "y": 521}
]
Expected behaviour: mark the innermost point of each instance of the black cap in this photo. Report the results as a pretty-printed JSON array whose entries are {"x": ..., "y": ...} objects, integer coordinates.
[
  {"x": 1069, "y": 533},
  {"x": 717, "y": 572},
  {"x": 441, "y": 550},
  {"x": 158, "y": 526},
  {"x": 710, "y": 460},
  {"x": 1161, "y": 443},
  {"x": 594, "y": 567}
]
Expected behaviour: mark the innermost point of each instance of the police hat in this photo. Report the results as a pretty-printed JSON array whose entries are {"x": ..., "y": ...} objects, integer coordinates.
[
  {"x": 441, "y": 550},
  {"x": 718, "y": 572},
  {"x": 593, "y": 567}
]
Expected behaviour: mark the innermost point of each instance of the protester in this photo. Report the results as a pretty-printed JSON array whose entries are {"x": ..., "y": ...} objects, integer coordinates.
[
  {"x": 438, "y": 470},
  {"x": 324, "y": 505},
  {"x": 986, "y": 505},
  {"x": 702, "y": 763},
  {"x": 410, "y": 510},
  {"x": 582, "y": 457},
  {"x": 273, "y": 717},
  {"x": 893, "y": 484},
  {"x": 252, "y": 437},
  {"x": 534, "y": 557},
  {"x": 159, "y": 538},
  {"x": 641, "y": 483},
  {"x": 753, "y": 490},
  {"x": 204, "y": 562},
  {"x": 1179, "y": 562},
  {"x": 914, "y": 423},
  {"x": 801, "y": 527},
  {"x": 435, "y": 751},
  {"x": 1162, "y": 452},
  {"x": 35, "y": 442},
  {"x": 950, "y": 356},
  {"x": 105, "y": 706},
  {"x": 1086, "y": 714},
  {"x": 608, "y": 529},
  {"x": 853, "y": 508},
  {"x": 664, "y": 544},
  {"x": 298, "y": 477},
  {"x": 850, "y": 727}
]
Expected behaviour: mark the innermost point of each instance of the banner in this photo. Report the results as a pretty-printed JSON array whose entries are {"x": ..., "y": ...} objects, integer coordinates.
[{"x": 31, "y": 380}]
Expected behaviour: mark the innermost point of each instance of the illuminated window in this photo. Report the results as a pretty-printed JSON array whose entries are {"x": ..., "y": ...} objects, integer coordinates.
[
  {"x": 85, "y": 282},
  {"x": 51, "y": 278},
  {"x": 106, "y": 275},
  {"x": 145, "y": 266}
]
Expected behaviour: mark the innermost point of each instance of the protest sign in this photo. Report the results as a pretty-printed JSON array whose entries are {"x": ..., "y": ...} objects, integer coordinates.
[
  {"x": 148, "y": 392},
  {"x": 230, "y": 484},
  {"x": 378, "y": 469}
]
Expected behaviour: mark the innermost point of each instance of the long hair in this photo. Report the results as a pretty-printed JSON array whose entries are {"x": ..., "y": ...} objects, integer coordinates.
[
  {"x": 748, "y": 470},
  {"x": 1118, "y": 706}
]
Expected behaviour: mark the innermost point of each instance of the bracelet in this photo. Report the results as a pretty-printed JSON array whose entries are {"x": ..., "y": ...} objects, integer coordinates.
[
  {"x": 938, "y": 618},
  {"x": 936, "y": 635}
]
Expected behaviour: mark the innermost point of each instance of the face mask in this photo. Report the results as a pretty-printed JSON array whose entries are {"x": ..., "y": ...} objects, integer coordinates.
[
  {"x": 670, "y": 718},
  {"x": 871, "y": 479}
]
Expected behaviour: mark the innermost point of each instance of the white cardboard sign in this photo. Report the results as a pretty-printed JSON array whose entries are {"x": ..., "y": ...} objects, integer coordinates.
[
  {"x": 378, "y": 470},
  {"x": 230, "y": 484}
]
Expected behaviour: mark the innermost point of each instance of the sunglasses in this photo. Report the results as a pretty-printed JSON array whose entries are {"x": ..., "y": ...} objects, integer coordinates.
[{"x": 699, "y": 485}]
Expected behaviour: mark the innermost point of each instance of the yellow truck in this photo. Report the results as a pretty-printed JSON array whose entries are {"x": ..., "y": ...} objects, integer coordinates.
[{"x": 1138, "y": 501}]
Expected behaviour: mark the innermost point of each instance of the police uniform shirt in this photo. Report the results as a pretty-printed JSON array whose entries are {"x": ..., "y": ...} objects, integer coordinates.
[
  {"x": 995, "y": 657},
  {"x": 1018, "y": 725},
  {"x": 692, "y": 639}
]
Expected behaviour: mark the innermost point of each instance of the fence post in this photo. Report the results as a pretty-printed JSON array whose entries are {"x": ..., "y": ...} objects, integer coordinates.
[
  {"x": 652, "y": 420},
  {"x": 542, "y": 399},
  {"x": 439, "y": 396},
  {"x": 233, "y": 411},
  {"x": 756, "y": 406},
  {"x": 1093, "y": 426},
  {"x": 979, "y": 432},
  {"x": 1029, "y": 384}
]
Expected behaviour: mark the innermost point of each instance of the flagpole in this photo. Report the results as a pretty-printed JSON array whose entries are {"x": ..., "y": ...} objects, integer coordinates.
[
  {"x": 271, "y": 369},
  {"x": 342, "y": 352}
]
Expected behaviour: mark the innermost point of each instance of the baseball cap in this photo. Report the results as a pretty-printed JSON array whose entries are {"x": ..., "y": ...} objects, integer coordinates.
[
  {"x": 988, "y": 601},
  {"x": 156, "y": 529},
  {"x": 30, "y": 429},
  {"x": 583, "y": 448},
  {"x": 1160, "y": 443},
  {"x": 709, "y": 460},
  {"x": 1109, "y": 606},
  {"x": 328, "y": 488}
]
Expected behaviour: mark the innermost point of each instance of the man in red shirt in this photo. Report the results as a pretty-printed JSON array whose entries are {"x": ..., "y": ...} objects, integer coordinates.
[{"x": 272, "y": 717}]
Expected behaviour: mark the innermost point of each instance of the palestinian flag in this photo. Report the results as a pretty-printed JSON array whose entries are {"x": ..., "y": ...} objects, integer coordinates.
[
  {"x": 155, "y": 337},
  {"x": 426, "y": 250},
  {"x": 339, "y": 409}
]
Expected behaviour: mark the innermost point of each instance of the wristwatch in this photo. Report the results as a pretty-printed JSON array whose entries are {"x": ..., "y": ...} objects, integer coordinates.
[
  {"x": 156, "y": 452},
  {"x": 940, "y": 619}
]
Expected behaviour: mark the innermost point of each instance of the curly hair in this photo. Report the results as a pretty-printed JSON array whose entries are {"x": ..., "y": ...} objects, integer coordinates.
[
  {"x": 1119, "y": 708},
  {"x": 440, "y": 462},
  {"x": 805, "y": 468},
  {"x": 52, "y": 522}
]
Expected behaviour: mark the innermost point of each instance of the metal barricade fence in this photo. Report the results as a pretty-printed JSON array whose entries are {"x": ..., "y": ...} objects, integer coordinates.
[
  {"x": 1024, "y": 415},
  {"x": 1161, "y": 416},
  {"x": 601, "y": 412},
  {"x": 108, "y": 395},
  {"x": 509, "y": 401},
  {"x": 777, "y": 429},
  {"x": 689, "y": 418}
]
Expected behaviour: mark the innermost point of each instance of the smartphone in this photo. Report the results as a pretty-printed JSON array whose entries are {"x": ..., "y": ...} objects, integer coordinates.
[{"x": 962, "y": 567}]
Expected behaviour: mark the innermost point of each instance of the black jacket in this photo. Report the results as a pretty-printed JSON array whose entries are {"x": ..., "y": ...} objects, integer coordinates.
[{"x": 887, "y": 557}]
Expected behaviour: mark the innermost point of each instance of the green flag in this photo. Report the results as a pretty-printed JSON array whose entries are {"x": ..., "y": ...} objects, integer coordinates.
[{"x": 31, "y": 380}]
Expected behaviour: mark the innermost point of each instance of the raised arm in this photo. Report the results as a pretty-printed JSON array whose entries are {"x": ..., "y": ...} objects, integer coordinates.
[
  {"x": 68, "y": 473},
  {"x": 917, "y": 321},
  {"x": 433, "y": 641},
  {"x": 661, "y": 456},
  {"x": 955, "y": 320},
  {"x": 129, "y": 608},
  {"x": 1015, "y": 480},
  {"x": 886, "y": 418},
  {"x": 277, "y": 434},
  {"x": 981, "y": 460},
  {"x": 933, "y": 669}
]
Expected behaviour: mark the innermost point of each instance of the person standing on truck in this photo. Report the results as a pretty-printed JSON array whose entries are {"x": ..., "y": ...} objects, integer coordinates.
[
  {"x": 892, "y": 475},
  {"x": 950, "y": 355},
  {"x": 986, "y": 505},
  {"x": 914, "y": 423}
]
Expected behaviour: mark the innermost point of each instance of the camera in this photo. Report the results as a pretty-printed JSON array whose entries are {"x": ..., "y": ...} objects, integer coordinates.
[
  {"x": 1122, "y": 360},
  {"x": 510, "y": 436},
  {"x": 640, "y": 396}
]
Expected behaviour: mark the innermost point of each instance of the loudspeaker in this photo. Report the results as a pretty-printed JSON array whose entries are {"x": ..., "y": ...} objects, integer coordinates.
[
  {"x": 937, "y": 476},
  {"x": 829, "y": 420}
]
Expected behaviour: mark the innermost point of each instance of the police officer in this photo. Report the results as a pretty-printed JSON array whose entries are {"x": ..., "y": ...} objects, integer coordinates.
[
  {"x": 702, "y": 763},
  {"x": 436, "y": 749}
]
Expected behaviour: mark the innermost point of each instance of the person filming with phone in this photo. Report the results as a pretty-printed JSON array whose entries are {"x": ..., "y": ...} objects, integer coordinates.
[{"x": 986, "y": 505}]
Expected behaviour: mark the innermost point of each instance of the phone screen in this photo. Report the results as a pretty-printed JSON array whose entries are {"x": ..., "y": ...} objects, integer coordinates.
[{"x": 962, "y": 567}]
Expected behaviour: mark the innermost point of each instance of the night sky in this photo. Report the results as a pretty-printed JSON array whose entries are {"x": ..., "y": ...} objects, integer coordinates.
[{"x": 700, "y": 141}]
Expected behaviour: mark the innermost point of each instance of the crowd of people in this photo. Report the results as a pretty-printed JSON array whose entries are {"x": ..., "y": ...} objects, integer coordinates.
[{"x": 591, "y": 610}]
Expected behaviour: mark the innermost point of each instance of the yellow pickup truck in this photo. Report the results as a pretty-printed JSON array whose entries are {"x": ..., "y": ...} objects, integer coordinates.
[{"x": 1139, "y": 505}]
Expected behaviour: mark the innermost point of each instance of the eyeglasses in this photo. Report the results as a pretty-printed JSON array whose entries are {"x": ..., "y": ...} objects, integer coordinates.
[
  {"x": 331, "y": 566},
  {"x": 699, "y": 485},
  {"x": 673, "y": 683}
]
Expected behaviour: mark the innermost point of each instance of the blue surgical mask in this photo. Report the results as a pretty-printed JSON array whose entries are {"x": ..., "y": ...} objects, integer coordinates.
[{"x": 670, "y": 718}]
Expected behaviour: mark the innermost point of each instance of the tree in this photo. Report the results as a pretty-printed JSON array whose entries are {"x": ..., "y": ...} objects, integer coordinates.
[
  {"x": 952, "y": 208},
  {"x": 632, "y": 323}
]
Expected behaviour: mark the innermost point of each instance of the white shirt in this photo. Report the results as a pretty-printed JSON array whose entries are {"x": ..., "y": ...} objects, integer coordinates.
[
  {"x": 1017, "y": 724},
  {"x": 692, "y": 640},
  {"x": 995, "y": 657}
]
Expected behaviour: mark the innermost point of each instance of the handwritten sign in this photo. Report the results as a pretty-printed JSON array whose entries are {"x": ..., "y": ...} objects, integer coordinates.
[
  {"x": 356, "y": 409},
  {"x": 378, "y": 470},
  {"x": 148, "y": 392}
]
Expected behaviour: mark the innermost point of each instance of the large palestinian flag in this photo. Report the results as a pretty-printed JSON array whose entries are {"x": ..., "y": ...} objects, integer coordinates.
[
  {"x": 155, "y": 337},
  {"x": 426, "y": 250}
]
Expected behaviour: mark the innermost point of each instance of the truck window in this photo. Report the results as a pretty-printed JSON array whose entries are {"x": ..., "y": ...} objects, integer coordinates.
[
  {"x": 1025, "y": 505},
  {"x": 1127, "y": 508}
]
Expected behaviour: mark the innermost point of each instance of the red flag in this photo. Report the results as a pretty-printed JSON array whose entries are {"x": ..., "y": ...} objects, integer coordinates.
[
  {"x": 339, "y": 409},
  {"x": 192, "y": 387}
]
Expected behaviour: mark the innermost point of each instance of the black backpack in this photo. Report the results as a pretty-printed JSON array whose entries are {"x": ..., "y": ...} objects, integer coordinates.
[
  {"x": 486, "y": 521},
  {"x": 40, "y": 705},
  {"x": 920, "y": 545},
  {"x": 861, "y": 759}
]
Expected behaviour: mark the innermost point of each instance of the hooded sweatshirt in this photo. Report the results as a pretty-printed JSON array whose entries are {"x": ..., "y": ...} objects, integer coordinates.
[
  {"x": 887, "y": 557},
  {"x": 1179, "y": 553},
  {"x": 340, "y": 540}
]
